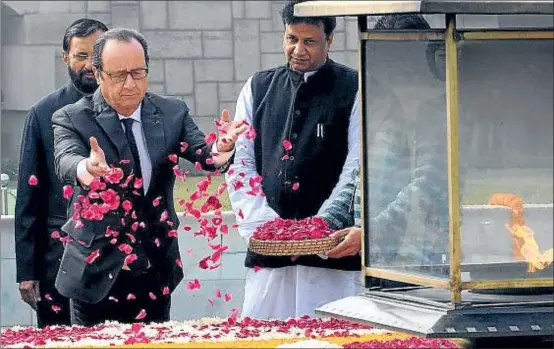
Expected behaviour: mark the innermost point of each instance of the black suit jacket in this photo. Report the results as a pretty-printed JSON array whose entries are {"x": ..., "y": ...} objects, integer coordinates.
[
  {"x": 166, "y": 123},
  {"x": 40, "y": 210}
]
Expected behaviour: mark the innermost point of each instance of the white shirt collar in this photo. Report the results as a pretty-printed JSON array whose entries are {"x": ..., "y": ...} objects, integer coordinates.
[
  {"x": 135, "y": 116},
  {"x": 308, "y": 74}
]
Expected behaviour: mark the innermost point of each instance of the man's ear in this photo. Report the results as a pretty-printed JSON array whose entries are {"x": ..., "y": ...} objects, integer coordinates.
[
  {"x": 65, "y": 58},
  {"x": 330, "y": 40},
  {"x": 96, "y": 73}
]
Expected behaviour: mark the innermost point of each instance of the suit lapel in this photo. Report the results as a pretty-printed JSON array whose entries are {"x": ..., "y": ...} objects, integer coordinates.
[
  {"x": 109, "y": 121},
  {"x": 152, "y": 125}
]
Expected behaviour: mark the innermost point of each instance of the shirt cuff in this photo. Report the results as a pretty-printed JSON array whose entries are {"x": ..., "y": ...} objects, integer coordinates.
[
  {"x": 84, "y": 177},
  {"x": 222, "y": 157}
]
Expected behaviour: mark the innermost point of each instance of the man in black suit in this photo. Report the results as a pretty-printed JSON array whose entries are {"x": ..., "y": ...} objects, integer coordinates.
[
  {"x": 124, "y": 262},
  {"x": 40, "y": 208}
]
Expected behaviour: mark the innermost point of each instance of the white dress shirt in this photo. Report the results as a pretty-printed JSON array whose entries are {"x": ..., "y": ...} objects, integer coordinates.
[{"x": 297, "y": 290}]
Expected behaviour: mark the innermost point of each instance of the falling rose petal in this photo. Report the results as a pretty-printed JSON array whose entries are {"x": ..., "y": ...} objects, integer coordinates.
[
  {"x": 172, "y": 233},
  {"x": 93, "y": 256},
  {"x": 113, "y": 241},
  {"x": 211, "y": 302},
  {"x": 187, "y": 228},
  {"x": 131, "y": 297},
  {"x": 173, "y": 158},
  {"x": 134, "y": 215},
  {"x": 135, "y": 226},
  {"x": 156, "y": 201},
  {"x": 152, "y": 296},
  {"x": 125, "y": 162},
  {"x": 55, "y": 234},
  {"x": 198, "y": 151},
  {"x": 209, "y": 161},
  {"x": 184, "y": 146},
  {"x": 111, "y": 298},
  {"x": 157, "y": 242},
  {"x": 295, "y": 186},
  {"x": 287, "y": 145},
  {"x": 56, "y": 309},
  {"x": 164, "y": 216},
  {"x": 142, "y": 225},
  {"x": 189, "y": 250},
  {"x": 126, "y": 248},
  {"x": 197, "y": 166},
  {"x": 138, "y": 183},
  {"x": 210, "y": 138},
  {"x": 179, "y": 263},
  {"x": 240, "y": 214},
  {"x": 141, "y": 315},
  {"x": 33, "y": 180},
  {"x": 257, "y": 268},
  {"x": 218, "y": 293},
  {"x": 48, "y": 297},
  {"x": 234, "y": 226},
  {"x": 67, "y": 192},
  {"x": 110, "y": 276},
  {"x": 127, "y": 206},
  {"x": 130, "y": 259},
  {"x": 228, "y": 297},
  {"x": 166, "y": 291},
  {"x": 285, "y": 157},
  {"x": 224, "y": 229}
]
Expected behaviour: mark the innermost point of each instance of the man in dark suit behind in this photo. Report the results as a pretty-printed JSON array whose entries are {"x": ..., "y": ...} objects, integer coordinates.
[
  {"x": 124, "y": 262},
  {"x": 40, "y": 208}
]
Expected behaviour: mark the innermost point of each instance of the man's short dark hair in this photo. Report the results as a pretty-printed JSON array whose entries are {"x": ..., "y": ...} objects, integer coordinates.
[
  {"x": 118, "y": 34},
  {"x": 81, "y": 28},
  {"x": 287, "y": 14}
]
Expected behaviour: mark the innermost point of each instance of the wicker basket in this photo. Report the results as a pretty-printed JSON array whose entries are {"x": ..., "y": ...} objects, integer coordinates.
[{"x": 292, "y": 247}]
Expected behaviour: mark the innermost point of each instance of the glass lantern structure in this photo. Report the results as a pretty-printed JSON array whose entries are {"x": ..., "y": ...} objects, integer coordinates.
[{"x": 456, "y": 166}]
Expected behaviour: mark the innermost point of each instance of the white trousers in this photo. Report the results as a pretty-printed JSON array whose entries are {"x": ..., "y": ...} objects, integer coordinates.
[{"x": 295, "y": 291}]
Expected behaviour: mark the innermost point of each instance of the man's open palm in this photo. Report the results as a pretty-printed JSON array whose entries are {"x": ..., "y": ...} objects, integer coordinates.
[{"x": 96, "y": 163}]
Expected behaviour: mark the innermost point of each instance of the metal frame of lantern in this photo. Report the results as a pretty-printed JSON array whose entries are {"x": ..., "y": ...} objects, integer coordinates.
[{"x": 381, "y": 302}]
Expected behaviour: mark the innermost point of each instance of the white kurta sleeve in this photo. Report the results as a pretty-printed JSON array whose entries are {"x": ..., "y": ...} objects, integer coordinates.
[
  {"x": 254, "y": 209},
  {"x": 353, "y": 157}
]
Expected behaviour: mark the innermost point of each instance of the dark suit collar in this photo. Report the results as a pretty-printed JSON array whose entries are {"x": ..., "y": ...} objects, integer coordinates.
[{"x": 152, "y": 125}]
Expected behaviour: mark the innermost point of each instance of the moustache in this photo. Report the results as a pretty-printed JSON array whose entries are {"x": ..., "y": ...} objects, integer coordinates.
[{"x": 83, "y": 72}]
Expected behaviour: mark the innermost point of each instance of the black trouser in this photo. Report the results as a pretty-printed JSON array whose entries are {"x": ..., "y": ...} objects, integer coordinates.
[
  {"x": 53, "y": 309},
  {"x": 116, "y": 306}
]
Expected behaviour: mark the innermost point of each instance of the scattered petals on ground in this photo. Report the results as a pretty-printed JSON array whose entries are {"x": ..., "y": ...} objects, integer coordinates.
[{"x": 213, "y": 333}]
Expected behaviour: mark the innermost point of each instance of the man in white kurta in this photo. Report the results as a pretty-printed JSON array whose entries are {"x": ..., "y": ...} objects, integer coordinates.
[{"x": 294, "y": 290}]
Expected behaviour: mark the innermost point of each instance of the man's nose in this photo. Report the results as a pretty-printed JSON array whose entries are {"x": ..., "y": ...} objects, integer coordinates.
[
  {"x": 88, "y": 64},
  {"x": 300, "y": 49},
  {"x": 129, "y": 82}
]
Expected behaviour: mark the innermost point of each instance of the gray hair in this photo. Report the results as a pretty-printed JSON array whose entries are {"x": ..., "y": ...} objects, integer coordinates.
[{"x": 119, "y": 34}]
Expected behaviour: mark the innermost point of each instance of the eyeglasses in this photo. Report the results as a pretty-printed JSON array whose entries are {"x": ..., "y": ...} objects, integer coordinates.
[{"x": 121, "y": 76}]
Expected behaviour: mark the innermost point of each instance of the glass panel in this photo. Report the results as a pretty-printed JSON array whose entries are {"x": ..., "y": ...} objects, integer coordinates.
[
  {"x": 506, "y": 143},
  {"x": 406, "y": 198},
  {"x": 465, "y": 22}
]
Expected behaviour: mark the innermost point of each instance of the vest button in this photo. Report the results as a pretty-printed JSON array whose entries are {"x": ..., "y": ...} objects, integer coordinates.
[
  {"x": 294, "y": 135},
  {"x": 297, "y": 112},
  {"x": 291, "y": 158}
]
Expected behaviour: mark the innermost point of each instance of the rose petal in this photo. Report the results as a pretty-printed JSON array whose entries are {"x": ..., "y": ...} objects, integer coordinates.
[
  {"x": 141, "y": 315},
  {"x": 33, "y": 180},
  {"x": 166, "y": 291},
  {"x": 257, "y": 268},
  {"x": 178, "y": 262},
  {"x": 55, "y": 234},
  {"x": 131, "y": 297},
  {"x": 287, "y": 145},
  {"x": 156, "y": 201},
  {"x": 173, "y": 158},
  {"x": 295, "y": 186},
  {"x": 228, "y": 297},
  {"x": 152, "y": 296},
  {"x": 56, "y": 309},
  {"x": 67, "y": 192},
  {"x": 93, "y": 256}
]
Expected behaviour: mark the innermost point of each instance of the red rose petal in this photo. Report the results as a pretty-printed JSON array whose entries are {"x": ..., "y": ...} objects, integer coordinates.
[
  {"x": 56, "y": 309},
  {"x": 67, "y": 192},
  {"x": 295, "y": 186},
  {"x": 218, "y": 293},
  {"x": 55, "y": 234},
  {"x": 152, "y": 296},
  {"x": 130, "y": 259},
  {"x": 198, "y": 166},
  {"x": 48, "y": 297},
  {"x": 172, "y": 233},
  {"x": 166, "y": 291},
  {"x": 93, "y": 256},
  {"x": 141, "y": 315},
  {"x": 287, "y": 145},
  {"x": 33, "y": 180},
  {"x": 228, "y": 297},
  {"x": 257, "y": 268},
  {"x": 156, "y": 201},
  {"x": 178, "y": 262},
  {"x": 173, "y": 158},
  {"x": 184, "y": 146},
  {"x": 131, "y": 297}
]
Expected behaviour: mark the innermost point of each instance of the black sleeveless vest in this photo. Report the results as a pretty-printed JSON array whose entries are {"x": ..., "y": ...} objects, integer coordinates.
[{"x": 314, "y": 116}]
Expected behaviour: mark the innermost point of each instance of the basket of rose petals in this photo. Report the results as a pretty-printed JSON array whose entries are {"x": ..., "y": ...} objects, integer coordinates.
[{"x": 290, "y": 237}]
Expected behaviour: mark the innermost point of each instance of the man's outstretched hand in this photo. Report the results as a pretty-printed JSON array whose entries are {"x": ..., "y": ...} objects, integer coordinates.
[
  {"x": 96, "y": 163},
  {"x": 229, "y": 132},
  {"x": 350, "y": 245}
]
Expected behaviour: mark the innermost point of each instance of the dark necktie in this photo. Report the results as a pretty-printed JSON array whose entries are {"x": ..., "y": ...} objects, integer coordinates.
[
  {"x": 128, "y": 123},
  {"x": 141, "y": 264}
]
